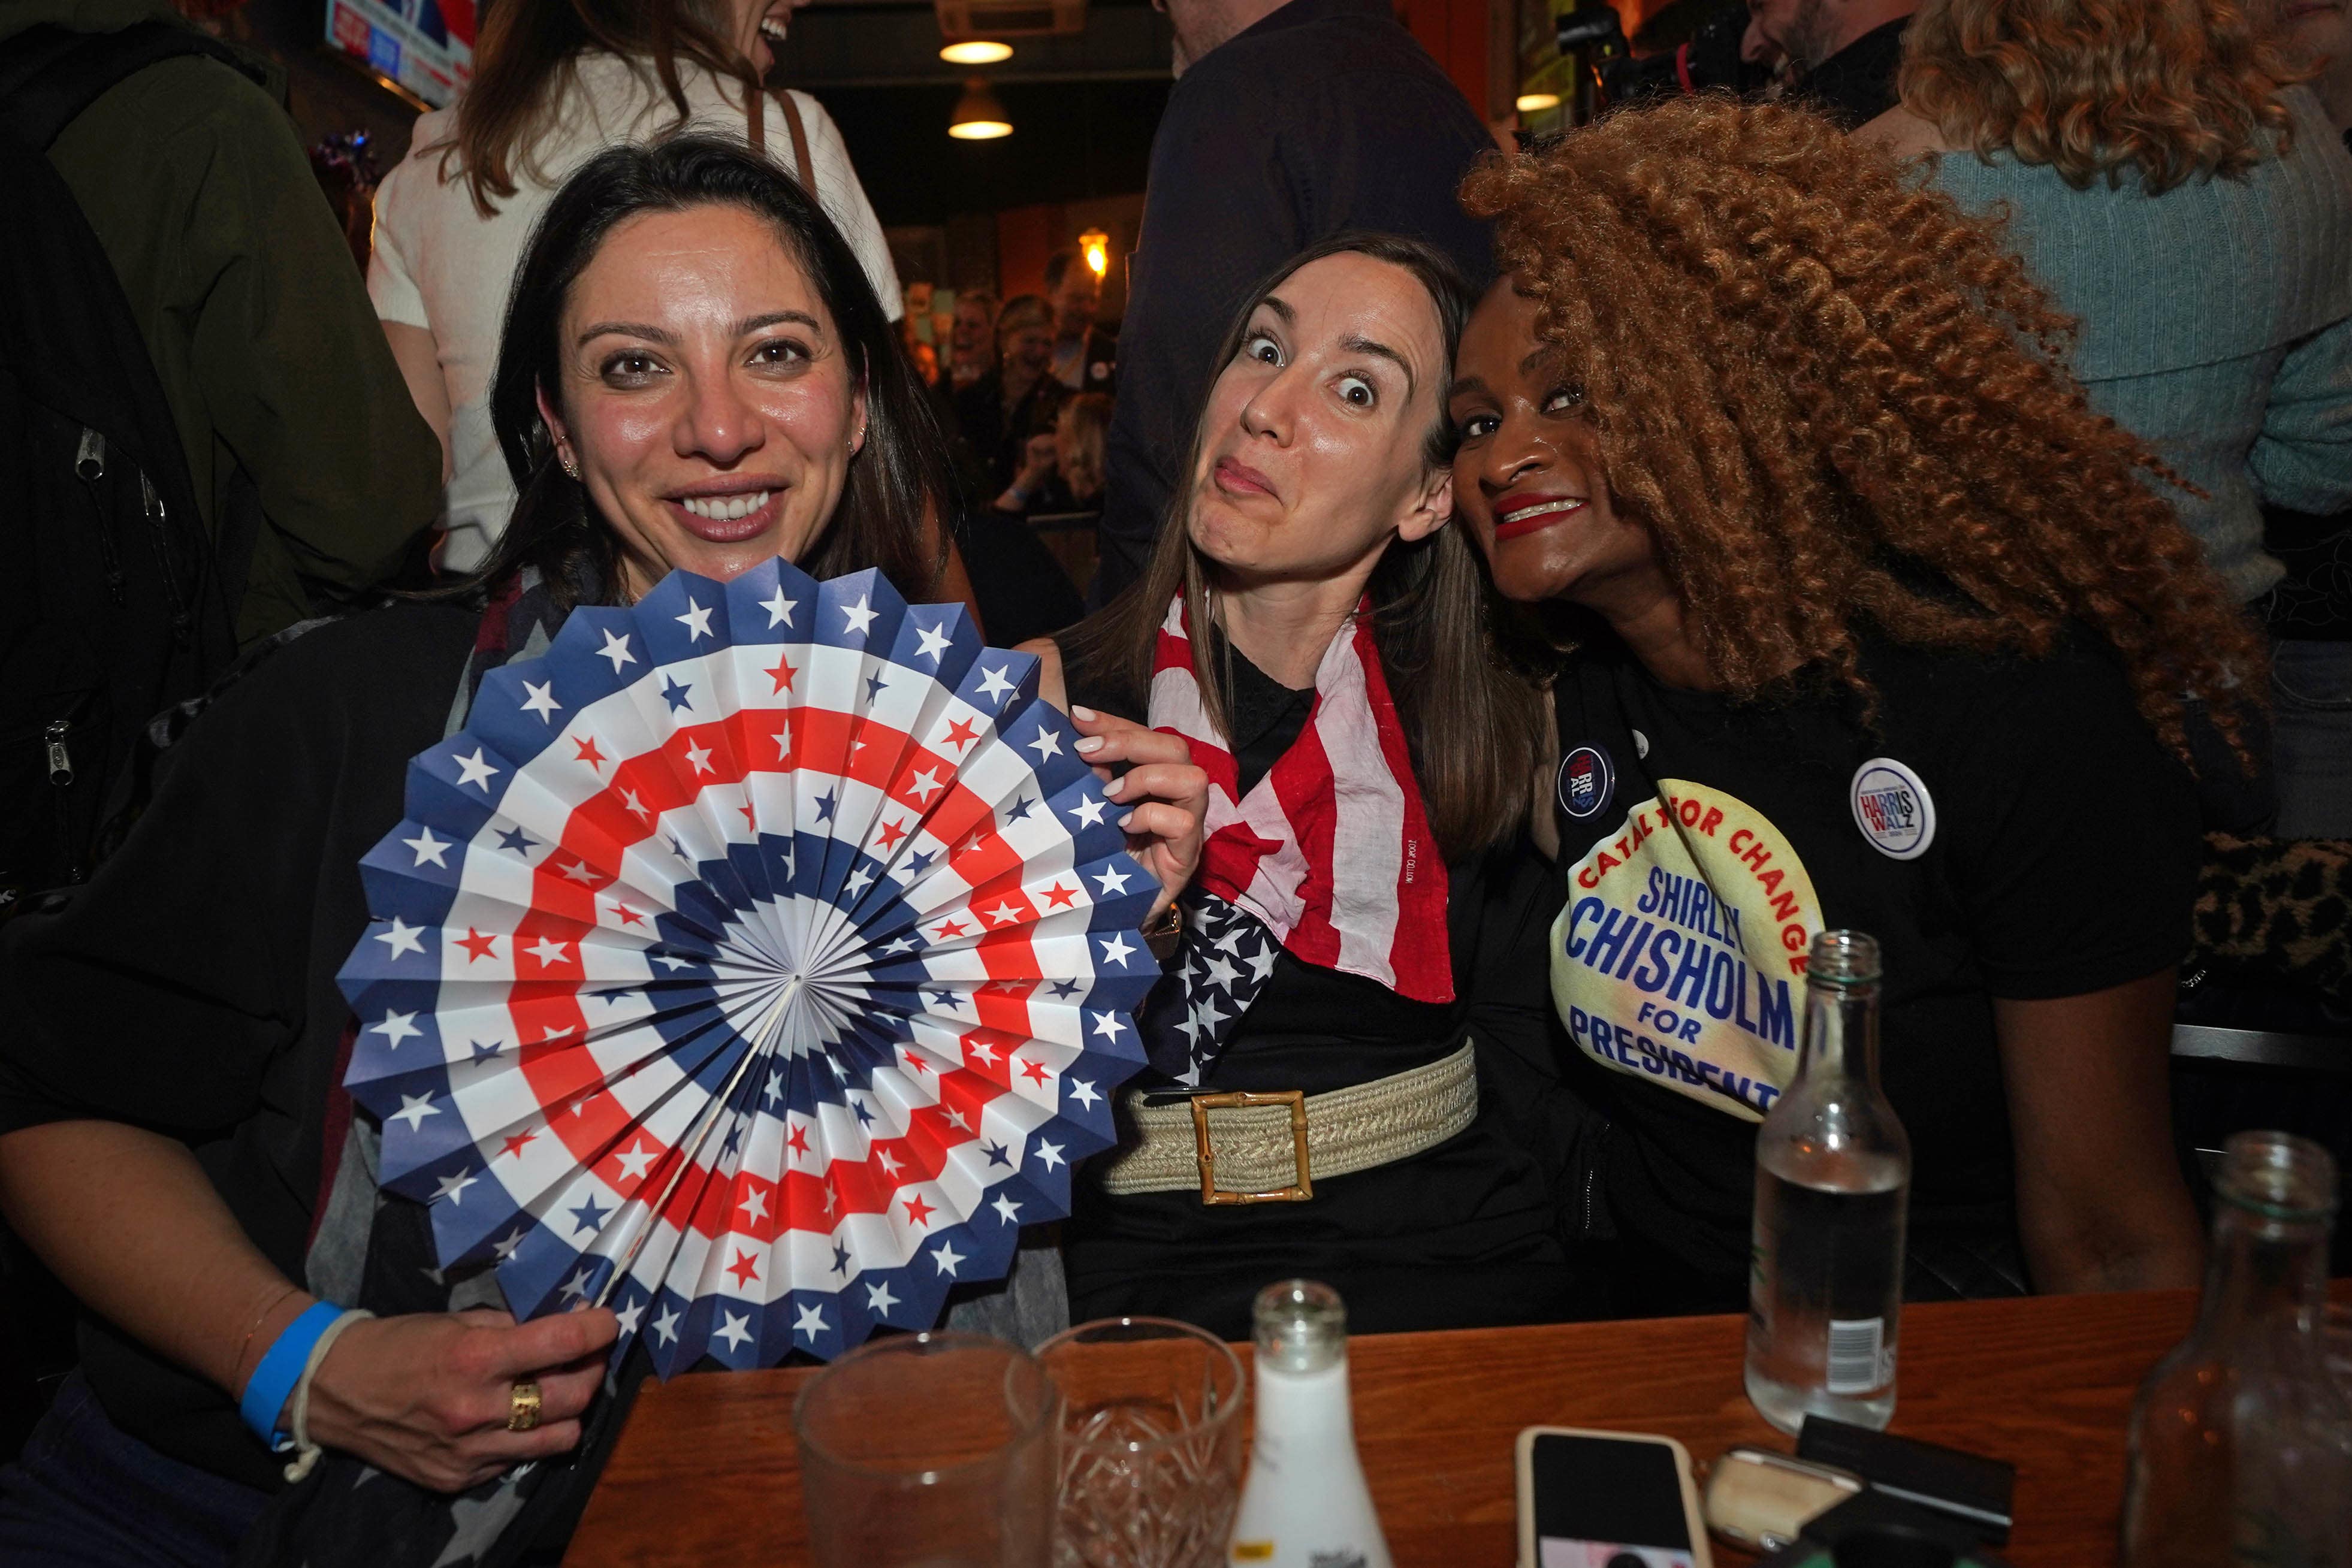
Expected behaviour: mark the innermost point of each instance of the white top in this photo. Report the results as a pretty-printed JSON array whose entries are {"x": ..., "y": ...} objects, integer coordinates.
[{"x": 440, "y": 264}]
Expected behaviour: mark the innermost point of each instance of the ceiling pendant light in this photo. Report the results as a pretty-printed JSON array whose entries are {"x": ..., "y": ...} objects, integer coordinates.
[
  {"x": 976, "y": 52},
  {"x": 978, "y": 116}
]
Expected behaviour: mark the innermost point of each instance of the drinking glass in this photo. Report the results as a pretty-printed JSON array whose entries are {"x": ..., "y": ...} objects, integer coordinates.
[
  {"x": 931, "y": 1451},
  {"x": 1151, "y": 1444}
]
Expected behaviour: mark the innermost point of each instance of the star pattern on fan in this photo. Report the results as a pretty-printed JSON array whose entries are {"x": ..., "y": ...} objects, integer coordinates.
[{"x": 761, "y": 1011}]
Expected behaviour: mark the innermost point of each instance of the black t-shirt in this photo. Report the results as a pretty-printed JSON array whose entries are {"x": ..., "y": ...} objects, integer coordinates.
[
  {"x": 189, "y": 988},
  {"x": 2007, "y": 829},
  {"x": 1464, "y": 1235}
]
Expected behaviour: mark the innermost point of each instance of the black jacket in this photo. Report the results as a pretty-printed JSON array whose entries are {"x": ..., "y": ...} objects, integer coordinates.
[{"x": 1856, "y": 85}]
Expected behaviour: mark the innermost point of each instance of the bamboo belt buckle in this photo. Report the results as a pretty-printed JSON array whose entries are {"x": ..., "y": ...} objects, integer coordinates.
[{"x": 1300, "y": 1192}]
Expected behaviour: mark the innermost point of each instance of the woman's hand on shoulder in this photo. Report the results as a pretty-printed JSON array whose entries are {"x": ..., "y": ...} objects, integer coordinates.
[
  {"x": 1165, "y": 795},
  {"x": 427, "y": 1396}
]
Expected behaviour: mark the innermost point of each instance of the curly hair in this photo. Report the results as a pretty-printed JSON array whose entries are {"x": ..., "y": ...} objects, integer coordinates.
[
  {"x": 1825, "y": 388},
  {"x": 2173, "y": 88}
]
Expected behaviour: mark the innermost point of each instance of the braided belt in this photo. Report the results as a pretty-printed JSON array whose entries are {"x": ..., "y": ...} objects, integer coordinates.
[{"x": 1245, "y": 1148}]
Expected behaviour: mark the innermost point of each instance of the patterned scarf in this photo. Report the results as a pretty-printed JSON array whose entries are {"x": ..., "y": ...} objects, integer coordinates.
[{"x": 1328, "y": 857}]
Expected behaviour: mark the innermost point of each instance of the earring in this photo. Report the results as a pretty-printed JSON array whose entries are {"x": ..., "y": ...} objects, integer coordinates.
[{"x": 570, "y": 464}]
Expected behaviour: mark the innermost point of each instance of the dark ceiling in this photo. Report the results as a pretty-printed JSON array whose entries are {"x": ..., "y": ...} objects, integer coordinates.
[
  {"x": 1083, "y": 108},
  {"x": 1070, "y": 140}
]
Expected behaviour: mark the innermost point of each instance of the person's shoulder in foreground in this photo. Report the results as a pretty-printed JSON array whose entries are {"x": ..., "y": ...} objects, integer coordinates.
[{"x": 245, "y": 808}]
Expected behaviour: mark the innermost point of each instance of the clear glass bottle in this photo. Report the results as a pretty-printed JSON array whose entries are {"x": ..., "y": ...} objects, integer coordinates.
[
  {"x": 1304, "y": 1504},
  {"x": 1832, "y": 1187},
  {"x": 2240, "y": 1440}
]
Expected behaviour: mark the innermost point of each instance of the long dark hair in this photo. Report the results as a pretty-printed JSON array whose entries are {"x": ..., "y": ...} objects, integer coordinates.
[
  {"x": 525, "y": 59},
  {"x": 1472, "y": 721},
  {"x": 897, "y": 480}
]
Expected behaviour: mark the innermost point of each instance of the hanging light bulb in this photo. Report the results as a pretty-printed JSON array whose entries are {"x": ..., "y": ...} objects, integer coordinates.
[
  {"x": 976, "y": 52},
  {"x": 978, "y": 116},
  {"x": 1537, "y": 102},
  {"x": 1095, "y": 246}
]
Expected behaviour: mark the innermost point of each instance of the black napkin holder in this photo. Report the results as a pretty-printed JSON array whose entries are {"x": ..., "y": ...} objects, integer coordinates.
[{"x": 1967, "y": 1490}]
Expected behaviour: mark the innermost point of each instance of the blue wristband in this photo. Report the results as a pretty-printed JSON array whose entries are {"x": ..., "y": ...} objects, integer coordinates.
[{"x": 281, "y": 1367}]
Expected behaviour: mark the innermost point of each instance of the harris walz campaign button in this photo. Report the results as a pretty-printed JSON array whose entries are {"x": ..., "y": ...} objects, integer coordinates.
[
  {"x": 1587, "y": 782},
  {"x": 1893, "y": 809}
]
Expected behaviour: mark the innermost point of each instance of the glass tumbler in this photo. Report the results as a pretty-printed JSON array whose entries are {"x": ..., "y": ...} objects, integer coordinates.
[
  {"x": 931, "y": 1450},
  {"x": 1151, "y": 1444}
]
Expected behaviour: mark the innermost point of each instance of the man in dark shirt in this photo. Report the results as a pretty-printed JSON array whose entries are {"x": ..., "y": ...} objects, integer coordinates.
[
  {"x": 1288, "y": 123},
  {"x": 1844, "y": 52}
]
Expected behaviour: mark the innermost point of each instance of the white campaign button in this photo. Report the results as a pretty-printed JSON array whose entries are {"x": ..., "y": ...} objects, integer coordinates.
[{"x": 1893, "y": 809}]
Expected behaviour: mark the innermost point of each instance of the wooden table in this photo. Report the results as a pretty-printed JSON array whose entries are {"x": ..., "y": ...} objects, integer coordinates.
[{"x": 705, "y": 1471}]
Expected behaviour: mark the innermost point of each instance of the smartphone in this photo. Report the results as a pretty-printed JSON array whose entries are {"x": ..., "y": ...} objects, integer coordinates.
[{"x": 1607, "y": 1500}]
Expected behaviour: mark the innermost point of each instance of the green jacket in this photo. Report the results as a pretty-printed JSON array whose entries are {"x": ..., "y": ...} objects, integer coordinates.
[{"x": 259, "y": 325}]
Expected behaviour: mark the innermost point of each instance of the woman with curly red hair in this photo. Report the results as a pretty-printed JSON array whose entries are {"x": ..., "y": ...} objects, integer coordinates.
[{"x": 1878, "y": 627}]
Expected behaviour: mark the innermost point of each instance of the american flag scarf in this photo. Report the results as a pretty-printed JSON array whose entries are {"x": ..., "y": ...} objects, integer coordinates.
[{"x": 1329, "y": 857}]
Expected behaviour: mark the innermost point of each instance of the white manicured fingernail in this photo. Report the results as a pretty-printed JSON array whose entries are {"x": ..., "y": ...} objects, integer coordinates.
[
  {"x": 1125, "y": 820},
  {"x": 1087, "y": 713},
  {"x": 1090, "y": 745}
]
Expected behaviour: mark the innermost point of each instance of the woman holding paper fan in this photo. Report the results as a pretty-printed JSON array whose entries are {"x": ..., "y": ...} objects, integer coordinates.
[
  {"x": 695, "y": 374},
  {"x": 1364, "y": 940}
]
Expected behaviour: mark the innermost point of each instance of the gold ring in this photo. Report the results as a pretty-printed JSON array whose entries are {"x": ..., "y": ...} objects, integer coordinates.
[{"x": 522, "y": 1406}]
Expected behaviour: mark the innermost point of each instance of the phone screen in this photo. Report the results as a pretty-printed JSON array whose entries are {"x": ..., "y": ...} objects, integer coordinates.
[{"x": 1604, "y": 1502}]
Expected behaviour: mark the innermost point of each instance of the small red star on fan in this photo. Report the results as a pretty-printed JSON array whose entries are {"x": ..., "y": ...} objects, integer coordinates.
[
  {"x": 1059, "y": 897},
  {"x": 783, "y": 673},
  {"x": 950, "y": 929},
  {"x": 628, "y": 917},
  {"x": 477, "y": 946},
  {"x": 744, "y": 1270},
  {"x": 589, "y": 754},
  {"x": 515, "y": 1144},
  {"x": 961, "y": 733},
  {"x": 918, "y": 1211},
  {"x": 1034, "y": 1070},
  {"x": 798, "y": 1142},
  {"x": 890, "y": 835}
]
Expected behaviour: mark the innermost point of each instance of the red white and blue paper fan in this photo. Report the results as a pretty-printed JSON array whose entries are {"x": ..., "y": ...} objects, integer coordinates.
[{"x": 757, "y": 963}]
